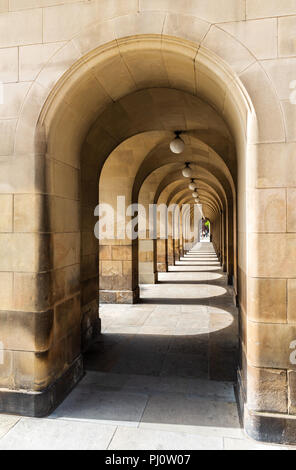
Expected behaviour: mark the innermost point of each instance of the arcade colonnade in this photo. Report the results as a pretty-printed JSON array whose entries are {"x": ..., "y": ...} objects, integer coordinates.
[{"x": 89, "y": 116}]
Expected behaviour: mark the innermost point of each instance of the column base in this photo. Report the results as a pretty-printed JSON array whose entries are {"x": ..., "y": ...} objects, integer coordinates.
[
  {"x": 273, "y": 428},
  {"x": 91, "y": 335},
  {"x": 162, "y": 268},
  {"x": 119, "y": 297},
  {"x": 90, "y": 324},
  {"x": 171, "y": 260},
  {"x": 41, "y": 404}
]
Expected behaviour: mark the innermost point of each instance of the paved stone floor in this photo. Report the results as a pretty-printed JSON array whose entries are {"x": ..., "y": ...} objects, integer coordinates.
[{"x": 161, "y": 377}]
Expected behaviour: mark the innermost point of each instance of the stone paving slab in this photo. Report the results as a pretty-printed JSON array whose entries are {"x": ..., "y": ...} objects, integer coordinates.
[
  {"x": 6, "y": 423},
  {"x": 147, "y": 384},
  {"x": 61, "y": 434},
  {"x": 191, "y": 411},
  {"x": 148, "y": 362},
  {"x": 196, "y": 268},
  {"x": 46, "y": 434},
  {"x": 185, "y": 365},
  {"x": 148, "y": 439},
  {"x": 90, "y": 403},
  {"x": 206, "y": 431},
  {"x": 104, "y": 380}
]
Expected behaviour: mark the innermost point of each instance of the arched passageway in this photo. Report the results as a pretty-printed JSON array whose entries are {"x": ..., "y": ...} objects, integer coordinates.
[
  {"x": 204, "y": 230},
  {"x": 167, "y": 364},
  {"x": 186, "y": 325},
  {"x": 118, "y": 154},
  {"x": 103, "y": 129}
]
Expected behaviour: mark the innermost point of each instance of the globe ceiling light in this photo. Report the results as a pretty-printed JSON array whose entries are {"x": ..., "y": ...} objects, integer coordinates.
[
  {"x": 187, "y": 172},
  {"x": 177, "y": 145},
  {"x": 192, "y": 185},
  {"x": 195, "y": 194}
]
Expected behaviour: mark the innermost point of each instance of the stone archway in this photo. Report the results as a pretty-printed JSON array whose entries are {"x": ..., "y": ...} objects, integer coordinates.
[{"x": 50, "y": 349}]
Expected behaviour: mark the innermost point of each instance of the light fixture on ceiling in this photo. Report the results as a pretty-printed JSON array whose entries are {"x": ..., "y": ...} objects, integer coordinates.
[
  {"x": 177, "y": 145},
  {"x": 195, "y": 194},
  {"x": 187, "y": 172},
  {"x": 192, "y": 185}
]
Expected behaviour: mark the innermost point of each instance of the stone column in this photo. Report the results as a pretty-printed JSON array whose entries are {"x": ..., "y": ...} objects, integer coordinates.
[
  {"x": 268, "y": 302},
  {"x": 220, "y": 238},
  {"x": 176, "y": 249},
  {"x": 230, "y": 259},
  {"x": 224, "y": 236},
  {"x": 171, "y": 254},
  {"x": 162, "y": 265},
  {"x": 215, "y": 232},
  {"x": 89, "y": 252}
]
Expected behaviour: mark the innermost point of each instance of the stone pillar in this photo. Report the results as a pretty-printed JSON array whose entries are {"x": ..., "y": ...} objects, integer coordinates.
[
  {"x": 89, "y": 272},
  {"x": 181, "y": 246},
  {"x": 215, "y": 232},
  {"x": 170, "y": 241},
  {"x": 268, "y": 301},
  {"x": 162, "y": 265},
  {"x": 41, "y": 323},
  {"x": 171, "y": 254},
  {"x": 177, "y": 249},
  {"x": 224, "y": 232},
  {"x": 230, "y": 246},
  {"x": 147, "y": 265},
  {"x": 119, "y": 274},
  {"x": 220, "y": 238}
]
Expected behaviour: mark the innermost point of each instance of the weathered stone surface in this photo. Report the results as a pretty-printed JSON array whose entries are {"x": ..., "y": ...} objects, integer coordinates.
[
  {"x": 107, "y": 297},
  {"x": 6, "y": 369},
  {"x": 291, "y": 301},
  {"x": 267, "y": 390},
  {"x": 127, "y": 297},
  {"x": 6, "y": 291},
  {"x": 267, "y": 300},
  {"x": 33, "y": 292},
  {"x": 41, "y": 404},
  {"x": 89, "y": 290},
  {"x": 17, "y": 22},
  {"x": 292, "y": 392},
  {"x": 66, "y": 282},
  {"x": 6, "y": 210},
  {"x": 269, "y": 8},
  {"x": 26, "y": 331},
  {"x": 126, "y": 75},
  {"x": 276, "y": 339},
  {"x": 122, "y": 253},
  {"x": 67, "y": 316}
]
